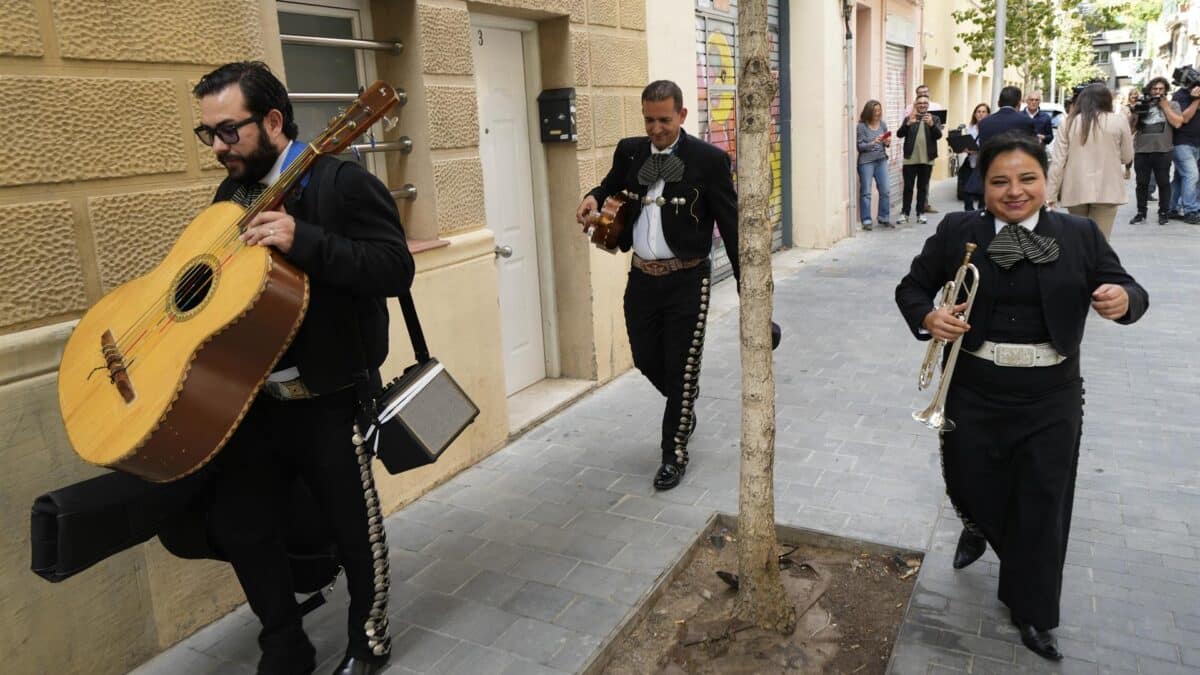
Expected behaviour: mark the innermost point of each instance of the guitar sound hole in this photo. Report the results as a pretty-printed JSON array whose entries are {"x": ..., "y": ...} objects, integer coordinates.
[{"x": 193, "y": 287}]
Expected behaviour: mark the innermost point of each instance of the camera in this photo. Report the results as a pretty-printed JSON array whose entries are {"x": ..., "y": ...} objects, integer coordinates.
[
  {"x": 1186, "y": 77},
  {"x": 1145, "y": 102}
]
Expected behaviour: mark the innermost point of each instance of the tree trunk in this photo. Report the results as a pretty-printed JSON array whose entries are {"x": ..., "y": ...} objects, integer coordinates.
[{"x": 761, "y": 599}]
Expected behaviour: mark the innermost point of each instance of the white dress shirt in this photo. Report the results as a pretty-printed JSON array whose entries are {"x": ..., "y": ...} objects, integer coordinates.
[
  {"x": 648, "y": 240},
  {"x": 1029, "y": 223},
  {"x": 277, "y": 170}
]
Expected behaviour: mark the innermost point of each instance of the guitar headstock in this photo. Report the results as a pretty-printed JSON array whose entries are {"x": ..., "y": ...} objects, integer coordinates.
[{"x": 370, "y": 105}]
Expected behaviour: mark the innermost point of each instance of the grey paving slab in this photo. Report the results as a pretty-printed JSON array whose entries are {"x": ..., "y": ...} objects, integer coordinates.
[{"x": 527, "y": 561}]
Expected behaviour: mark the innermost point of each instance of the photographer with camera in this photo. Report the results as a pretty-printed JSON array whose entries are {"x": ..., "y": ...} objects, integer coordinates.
[
  {"x": 1152, "y": 118},
  {"x": 920, "y": 131},
  {"x": 1186, "y": 149}
]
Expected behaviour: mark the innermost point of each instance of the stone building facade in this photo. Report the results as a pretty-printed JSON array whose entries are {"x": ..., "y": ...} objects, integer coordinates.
[{"x": 101, "y": 172}]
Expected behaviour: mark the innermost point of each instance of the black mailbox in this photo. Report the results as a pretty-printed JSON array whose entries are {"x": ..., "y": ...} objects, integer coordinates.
[{"x": 556, "y": 112}]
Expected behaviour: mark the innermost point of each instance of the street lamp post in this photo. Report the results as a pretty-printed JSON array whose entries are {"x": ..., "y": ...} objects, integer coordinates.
[{"x": 998, "y": 50}]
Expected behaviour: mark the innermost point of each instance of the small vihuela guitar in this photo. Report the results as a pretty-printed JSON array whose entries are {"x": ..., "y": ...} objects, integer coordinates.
[
  {"x": 159, "y": 373},
  {"x": 605, "y": 226}
]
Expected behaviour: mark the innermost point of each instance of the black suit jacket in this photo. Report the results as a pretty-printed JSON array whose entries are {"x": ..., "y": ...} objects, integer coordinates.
[
  {"x": 1042, "y": 124},
  {"x": 1004, "y": 120},
  {"x": 350, "y": 243},
  {"x": 707, "y": 185},
  {"x": 1085, "y": 262},
  {"x": 909, "y": 133}
]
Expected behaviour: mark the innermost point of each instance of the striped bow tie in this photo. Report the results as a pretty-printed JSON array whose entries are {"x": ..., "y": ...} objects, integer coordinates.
[
  {"x": 661, "y": 165},
  {"x": 1013, "y": 243},
  {"x": 246, "y": 194}
]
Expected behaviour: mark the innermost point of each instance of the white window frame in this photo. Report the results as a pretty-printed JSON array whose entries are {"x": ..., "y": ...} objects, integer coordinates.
[{"x": 359, "y": 13}]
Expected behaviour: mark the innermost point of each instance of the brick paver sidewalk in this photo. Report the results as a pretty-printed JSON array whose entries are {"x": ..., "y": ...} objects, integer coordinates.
[{"x": 525, "y": 563}]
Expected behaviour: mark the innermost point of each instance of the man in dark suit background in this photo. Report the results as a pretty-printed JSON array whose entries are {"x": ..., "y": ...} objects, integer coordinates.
[
  {"x": 343, "y": 231},
  {"x": 1043, "y": 126},
  {"x": 679, "y": 187}
]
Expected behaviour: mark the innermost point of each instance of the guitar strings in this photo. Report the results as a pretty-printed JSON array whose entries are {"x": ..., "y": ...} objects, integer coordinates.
[
  {"x": 193, "y": 281},
  {"x": 191, "y": 284}
]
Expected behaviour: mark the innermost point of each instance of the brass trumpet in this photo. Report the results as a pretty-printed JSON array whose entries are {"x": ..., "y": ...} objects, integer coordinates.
[{"x": 934, "y": 415}]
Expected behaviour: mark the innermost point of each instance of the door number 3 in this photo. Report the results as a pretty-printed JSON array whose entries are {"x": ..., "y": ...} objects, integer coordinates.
[{"x": 481, "y": 38}]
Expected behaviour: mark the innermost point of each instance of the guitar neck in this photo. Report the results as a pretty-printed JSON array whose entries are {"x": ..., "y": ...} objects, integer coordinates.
[{"x": 291, "y": 176}]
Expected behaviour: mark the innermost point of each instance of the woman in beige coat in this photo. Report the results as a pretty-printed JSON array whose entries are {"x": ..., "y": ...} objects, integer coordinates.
[{"x": 1087, "y": 169}]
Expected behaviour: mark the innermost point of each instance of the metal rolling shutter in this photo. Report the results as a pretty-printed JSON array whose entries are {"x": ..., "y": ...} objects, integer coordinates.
[
  {"x": 895, "y": 85},
  {"x": 716, "y": 73}
]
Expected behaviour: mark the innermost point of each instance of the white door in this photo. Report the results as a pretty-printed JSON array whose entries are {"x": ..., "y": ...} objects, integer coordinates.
[{"x": 508, "y": 196}]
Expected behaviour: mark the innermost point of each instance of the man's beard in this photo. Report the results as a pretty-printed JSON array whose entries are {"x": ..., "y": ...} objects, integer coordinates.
[{"x": 255, "y": 165}]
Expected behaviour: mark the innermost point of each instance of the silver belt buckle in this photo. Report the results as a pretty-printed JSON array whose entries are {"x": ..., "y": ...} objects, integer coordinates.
[{"x": 1015, "y": 356}]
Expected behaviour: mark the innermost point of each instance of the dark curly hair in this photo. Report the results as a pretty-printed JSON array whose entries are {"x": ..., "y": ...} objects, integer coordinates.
[
  {"x": 262, "y": 90},
  {"x": 1018, "y": 140}
]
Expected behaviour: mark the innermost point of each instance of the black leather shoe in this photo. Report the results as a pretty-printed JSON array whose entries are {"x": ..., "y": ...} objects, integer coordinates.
[
  {"x": 1162, "y": 219},
  {"x": 352, "y": 665},
  {"x": 971, "y": 545},
  {"x": 1138, "y": 219},
  {"x": 1040, "y": 642},
  {"x": 668, "y": 476}
]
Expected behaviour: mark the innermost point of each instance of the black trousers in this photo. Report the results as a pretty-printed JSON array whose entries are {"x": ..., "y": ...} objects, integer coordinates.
[
  {"x": 1010, "y": 469},
  {"x": 1155, "y": 165},
  {"x": 665, "y": 317},
  {"x": 252, "y": 478},
  {"x": 916, "y": 175}
]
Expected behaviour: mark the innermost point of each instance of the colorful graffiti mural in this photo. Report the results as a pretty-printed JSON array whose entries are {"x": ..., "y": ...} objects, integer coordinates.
[{"x": 716, "y": 78}]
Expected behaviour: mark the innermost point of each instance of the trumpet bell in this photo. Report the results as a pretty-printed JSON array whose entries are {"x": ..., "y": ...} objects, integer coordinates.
[{"x": 934, "y": 419}]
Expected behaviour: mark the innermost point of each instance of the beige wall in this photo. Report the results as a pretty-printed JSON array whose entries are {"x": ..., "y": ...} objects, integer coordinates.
[
  {"x": 108, "y": 173},
  {"x": 819, "y": 173},
  {"x": 665, "y": 21}
]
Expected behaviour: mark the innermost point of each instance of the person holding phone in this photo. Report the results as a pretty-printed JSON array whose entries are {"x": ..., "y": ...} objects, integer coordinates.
[
  {"x": 873, "y": 141},
  {"x": 920, "y": 132}
]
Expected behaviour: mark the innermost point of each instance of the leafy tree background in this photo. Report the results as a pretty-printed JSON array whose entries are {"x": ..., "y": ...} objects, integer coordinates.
[{"x": 1066, "y": 26}]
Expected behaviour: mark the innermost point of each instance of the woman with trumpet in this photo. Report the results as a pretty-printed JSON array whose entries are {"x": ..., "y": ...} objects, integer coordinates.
[{"x": 1016, "y": 395}]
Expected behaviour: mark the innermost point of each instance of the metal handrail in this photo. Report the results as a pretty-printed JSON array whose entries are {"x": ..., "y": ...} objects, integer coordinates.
[
  {"x": 394, "y": 46},
  {"x": 336, "y": 97},
  {"x": 404, "y": 145}
]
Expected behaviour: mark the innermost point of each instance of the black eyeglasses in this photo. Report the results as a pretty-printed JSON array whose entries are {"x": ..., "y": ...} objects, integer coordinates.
[{"x": 228, "y": 132}]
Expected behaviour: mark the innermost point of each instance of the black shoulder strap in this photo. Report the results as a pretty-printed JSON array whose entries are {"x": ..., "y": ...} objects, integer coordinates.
[
  {"x": 413, "y": 322},
  {"x": 329, "y": 205}
]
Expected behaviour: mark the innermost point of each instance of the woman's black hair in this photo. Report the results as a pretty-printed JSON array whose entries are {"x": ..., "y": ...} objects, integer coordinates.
[
  {"x": 1020, "y": 141},
  {"x": 261, "y": 89},
  {"x": 1090, "y": 103}
]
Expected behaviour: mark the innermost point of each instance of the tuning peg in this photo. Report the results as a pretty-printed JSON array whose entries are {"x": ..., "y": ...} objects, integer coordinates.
[{"x": 389, "y": 122}]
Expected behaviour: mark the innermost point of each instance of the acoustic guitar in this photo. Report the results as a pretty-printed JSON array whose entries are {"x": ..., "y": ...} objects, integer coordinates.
[
  {"x": 158, "y": 374},
  {"x": 604, "y": 227}
]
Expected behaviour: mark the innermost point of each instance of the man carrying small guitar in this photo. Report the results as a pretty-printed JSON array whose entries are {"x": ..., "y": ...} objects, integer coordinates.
[
  {"x": 676, "y": 187},
  {"x": 342, "y": 229}
]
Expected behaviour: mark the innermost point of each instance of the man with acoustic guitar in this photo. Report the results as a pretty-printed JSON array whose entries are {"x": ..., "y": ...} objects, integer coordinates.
[
  {"x": 676, "y": 187},
  {"x": 342, "y": 229}
]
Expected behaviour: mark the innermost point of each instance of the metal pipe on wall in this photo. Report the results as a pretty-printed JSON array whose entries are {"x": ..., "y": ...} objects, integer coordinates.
[
  {"x": 998, "y": 50},
  {"x": 847, "y": 7}
]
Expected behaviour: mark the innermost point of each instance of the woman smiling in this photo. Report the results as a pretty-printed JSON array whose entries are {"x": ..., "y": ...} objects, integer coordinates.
[{"x": 1016, "y": 396}]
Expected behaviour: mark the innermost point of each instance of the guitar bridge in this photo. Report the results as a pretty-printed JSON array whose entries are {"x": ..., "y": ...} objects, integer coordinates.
[{"x": 114, "y": 361}]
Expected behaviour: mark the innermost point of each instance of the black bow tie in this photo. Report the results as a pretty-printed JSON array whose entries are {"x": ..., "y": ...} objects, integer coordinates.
[
  {"x": 246, "y": 194},
  {"x": 662, "y": 165},
  {"x": 1014, "y": 243}
]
